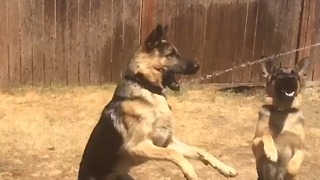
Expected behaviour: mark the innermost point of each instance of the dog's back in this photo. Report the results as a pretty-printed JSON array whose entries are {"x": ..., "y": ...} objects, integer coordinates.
[{"x": 101, "y": 152}]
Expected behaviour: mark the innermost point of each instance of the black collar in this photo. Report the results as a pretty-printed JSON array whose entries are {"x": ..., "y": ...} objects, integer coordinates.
[
  {"x": 144, "y": 83},
  {"x": 275, "y": 108}
]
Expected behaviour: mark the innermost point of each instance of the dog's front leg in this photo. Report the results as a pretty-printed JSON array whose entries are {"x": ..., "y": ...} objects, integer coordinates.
[
  {"x": 295, "y": 163},
  {"x": 257, "y": 147},
  {"x": 269, "y": 148},
  {"x": 148, "y": 150},
  {"x": 202, "y": 155}
]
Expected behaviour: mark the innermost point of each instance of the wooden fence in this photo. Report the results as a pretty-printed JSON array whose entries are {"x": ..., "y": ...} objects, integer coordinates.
[{"x": 81, "y": 42}]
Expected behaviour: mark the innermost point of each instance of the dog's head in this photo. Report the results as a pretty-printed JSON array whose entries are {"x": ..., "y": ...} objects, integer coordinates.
[
  {"x": 284, "y": 84},
  {"x": 157, "y": 60}
]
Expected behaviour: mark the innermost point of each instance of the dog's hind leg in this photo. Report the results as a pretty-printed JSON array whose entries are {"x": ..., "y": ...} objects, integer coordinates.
[
  {"x": 148, "y": 150},
  {"x": 202, "y": 155}
]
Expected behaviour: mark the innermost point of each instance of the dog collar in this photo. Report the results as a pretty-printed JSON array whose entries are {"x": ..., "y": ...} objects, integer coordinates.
[{"x": 140, "y": 80}]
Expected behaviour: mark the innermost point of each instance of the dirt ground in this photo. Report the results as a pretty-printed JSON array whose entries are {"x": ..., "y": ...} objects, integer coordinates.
[{"x": 43, "y": 131}]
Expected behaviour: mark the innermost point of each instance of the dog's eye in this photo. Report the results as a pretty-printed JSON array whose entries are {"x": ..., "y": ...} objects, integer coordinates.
[{"x": 171, "y": 54}]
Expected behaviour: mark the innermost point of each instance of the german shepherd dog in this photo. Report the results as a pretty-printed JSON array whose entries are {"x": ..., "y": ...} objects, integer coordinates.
[
  {"x": 137, "y": 124},
  {"x": 278, "y": 144}
]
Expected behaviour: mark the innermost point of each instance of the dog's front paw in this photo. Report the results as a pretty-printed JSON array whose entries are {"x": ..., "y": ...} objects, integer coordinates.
[
  {"x": 292, "y": 169},
  {"x": 191, "y": 177},
  {"x": 228, "y": 171},
  {"x": 271, "y": 153}
]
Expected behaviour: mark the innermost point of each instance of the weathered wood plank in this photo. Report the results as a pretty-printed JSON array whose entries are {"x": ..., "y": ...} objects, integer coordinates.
[
  {"x": 38, "y": 42},
  {"x": 200, "y": 12},
  {"x": 117, "y": 42},
  {"x": 132, "y": 11},
  {"x": 61, "y": 65},
  {"x": 73, "y": 44},
  {"x": 84, "y": 27},
  {"x": 13, "y": 41},
  {"x": 26, "y": 30},
  {"x": 49, "y": 39},
  {"x": 106, "y": 40},
  {"x": 240, "y": 15},
  {"x": 94, "y": 45},
  {"x": 212, "y": 21},
  {"x": 4, "y": 61}
]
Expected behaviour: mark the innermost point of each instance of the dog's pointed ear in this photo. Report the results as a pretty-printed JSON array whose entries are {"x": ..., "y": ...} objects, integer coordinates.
[
  {"x": 267, "y": 67},
  {"x": 154, "y": 38},
  {"x": 302, "y": 66}
]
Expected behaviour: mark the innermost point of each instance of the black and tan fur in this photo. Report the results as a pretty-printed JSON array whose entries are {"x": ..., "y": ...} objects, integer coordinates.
[
  {"x": 278, "y": 144},
  {"x": 137, "y": 124}
]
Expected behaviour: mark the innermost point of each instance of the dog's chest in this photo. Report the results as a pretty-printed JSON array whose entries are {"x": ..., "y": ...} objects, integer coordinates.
[
  {"x": 287, "y": 129},
  {"x": 162, "y": 126}
]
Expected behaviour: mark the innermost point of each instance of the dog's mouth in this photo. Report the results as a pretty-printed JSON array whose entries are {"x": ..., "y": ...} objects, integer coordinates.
[
  {"x": 169, "y": 80},
  {"x": 287, "y": 87},
  {"x": 291, "y": 94}
]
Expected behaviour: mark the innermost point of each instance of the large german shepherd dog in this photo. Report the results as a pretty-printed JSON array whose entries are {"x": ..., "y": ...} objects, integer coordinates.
[
  {"x": 137, "y": 124},
  {"x": 278, "y": 144}
]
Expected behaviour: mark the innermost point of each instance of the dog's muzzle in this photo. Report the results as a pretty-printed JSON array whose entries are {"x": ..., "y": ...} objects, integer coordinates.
[
  {"x": 184, "y": 67},
  {"x": 287, "y": 86},
  {"x": 191, "y": 68}
]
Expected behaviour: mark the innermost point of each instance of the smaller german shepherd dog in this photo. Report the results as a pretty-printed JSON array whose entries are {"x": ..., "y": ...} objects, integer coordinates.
[
  {"x": 278, "y": 144},
  {"x": 137, "y": 124}
]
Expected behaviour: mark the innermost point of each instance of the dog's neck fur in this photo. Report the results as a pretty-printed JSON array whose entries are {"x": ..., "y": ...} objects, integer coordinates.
[{"x": 144, "y": 83}]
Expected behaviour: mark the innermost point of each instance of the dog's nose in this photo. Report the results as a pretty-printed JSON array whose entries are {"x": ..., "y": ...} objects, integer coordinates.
[
  {"x": 196, "y": 66},
  {"x": 192, "y": 67}
]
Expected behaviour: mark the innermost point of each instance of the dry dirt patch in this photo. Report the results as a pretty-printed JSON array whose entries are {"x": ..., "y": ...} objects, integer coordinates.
[{"x": 43, "y": 131}]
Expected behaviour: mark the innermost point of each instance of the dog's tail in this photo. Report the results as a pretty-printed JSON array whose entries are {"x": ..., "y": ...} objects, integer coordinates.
[{"x": 269, "y": 170}]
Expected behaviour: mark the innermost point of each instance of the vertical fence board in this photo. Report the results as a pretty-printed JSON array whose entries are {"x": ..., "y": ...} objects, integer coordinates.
[
  {"x": 38, "y": 43},
  {"x": 240, "y": 16},
  {"x": 160, "y": 8},
  {"x": 73, "y": 44},
  {"x": 270, "y": 37},
  {"x": 94, "y": 45},
  {"x": 258, "y": 39},
  {"x": 117, "y": 42},
  {"x": 209, "y": 42},
  {"x": 184, "y": 27},
  {"x": 312, "y": 35},
  {"x": 84, "y": 27},
  {"x": 248, "y": 49},
  {"x": 223, "y": 52},
  {"x": 14, "y": 38},
  {"x": 131, "y": 28},
  {"x": 61, "y": 75},
  {"x": 148, "y": 18},
  {"x": 304, "y": 38},
  {"x": 308, "y": 34},
  {"x": 49, "y": 39},
  {"x": 316, "y": 56},
  {"x": 199, "y": 31},
  {"x": 291, "y": 19},
  {"x": 106, "y": 40},
  {"x": 4, "y": 68},
  {"x": 169, "y": 19},
  {"x": 26, "y": 30},
  {"x": 309, "y": 30}
]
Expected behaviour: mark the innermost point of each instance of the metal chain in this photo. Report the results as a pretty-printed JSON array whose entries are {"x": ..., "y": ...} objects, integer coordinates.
[{"x": 209, "y": 76}]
